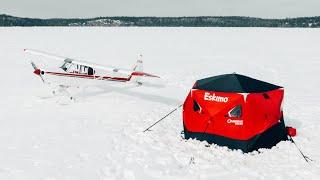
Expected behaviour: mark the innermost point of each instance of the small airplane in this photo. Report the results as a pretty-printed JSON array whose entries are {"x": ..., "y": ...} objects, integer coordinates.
[{"x": 75, "y": 69}]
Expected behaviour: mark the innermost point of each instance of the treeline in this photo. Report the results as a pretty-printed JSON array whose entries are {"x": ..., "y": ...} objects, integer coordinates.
[{"x": 202, "y": 21}]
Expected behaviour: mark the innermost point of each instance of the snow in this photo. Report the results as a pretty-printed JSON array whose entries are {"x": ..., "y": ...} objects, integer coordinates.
[{"x": 99, "y": 136}]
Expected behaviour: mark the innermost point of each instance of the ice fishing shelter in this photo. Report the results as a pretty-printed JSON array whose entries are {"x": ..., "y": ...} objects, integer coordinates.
[{"x": 235, "y": 111}]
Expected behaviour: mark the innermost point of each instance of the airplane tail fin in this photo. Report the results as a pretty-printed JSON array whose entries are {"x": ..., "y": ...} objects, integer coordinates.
[
  {"x": 138, "y": 73},
  {"x": 137, "y": 67},
  {"x": 139, "y": 64}
]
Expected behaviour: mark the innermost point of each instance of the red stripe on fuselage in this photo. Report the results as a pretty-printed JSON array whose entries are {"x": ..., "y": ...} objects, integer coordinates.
[{"x": 85, "y": 76}]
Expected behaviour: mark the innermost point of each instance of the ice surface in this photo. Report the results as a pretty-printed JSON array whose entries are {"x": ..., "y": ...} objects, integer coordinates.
[{"x": 100, "y": 135}]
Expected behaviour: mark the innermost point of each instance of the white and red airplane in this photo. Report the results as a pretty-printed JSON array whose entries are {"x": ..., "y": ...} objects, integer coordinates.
[{"x": 82, "y": 70}]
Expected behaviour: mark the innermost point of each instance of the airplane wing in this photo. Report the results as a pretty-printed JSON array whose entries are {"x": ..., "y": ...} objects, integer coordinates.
[
  {"x": 78, "y": 62},
  {"x": 45, "y": 54}
]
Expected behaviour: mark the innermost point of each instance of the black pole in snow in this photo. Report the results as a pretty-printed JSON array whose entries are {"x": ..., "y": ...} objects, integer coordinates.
[
  {"x": 163, "y": 118},
  {"x": 306, "y": 158}
]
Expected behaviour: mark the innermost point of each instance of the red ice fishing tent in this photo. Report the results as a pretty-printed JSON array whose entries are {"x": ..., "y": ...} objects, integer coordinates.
[{"x": 235, "y": 111}]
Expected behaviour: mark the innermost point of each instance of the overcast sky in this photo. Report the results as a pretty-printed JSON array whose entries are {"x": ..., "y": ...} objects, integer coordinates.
[{"x": 93, "y": 8}]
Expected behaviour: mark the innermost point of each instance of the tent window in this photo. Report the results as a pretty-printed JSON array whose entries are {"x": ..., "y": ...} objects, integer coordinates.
[
  {"x": 196, "y": 106},
  {"x": 236, "y": 111}
]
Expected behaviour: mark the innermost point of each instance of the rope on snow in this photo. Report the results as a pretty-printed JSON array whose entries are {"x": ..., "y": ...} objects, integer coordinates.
[
  {"x": 306, "y": 158},
  {"x": 162, "y": 118}
]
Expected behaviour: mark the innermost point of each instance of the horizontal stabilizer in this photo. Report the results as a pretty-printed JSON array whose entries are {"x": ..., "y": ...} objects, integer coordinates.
[{"x": 137, "y": 73}]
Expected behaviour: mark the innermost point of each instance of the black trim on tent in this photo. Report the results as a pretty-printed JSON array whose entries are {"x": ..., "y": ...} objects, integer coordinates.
[
  {"x": 267, "y": 139},
  {"x": 234, "y": 83}
]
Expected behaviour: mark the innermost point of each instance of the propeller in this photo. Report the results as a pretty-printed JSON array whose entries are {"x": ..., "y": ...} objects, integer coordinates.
[{"x": 37, "y": 71}]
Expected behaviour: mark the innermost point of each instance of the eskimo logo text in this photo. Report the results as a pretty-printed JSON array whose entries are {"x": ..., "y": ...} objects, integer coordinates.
[{"x": 213, "y": 97}]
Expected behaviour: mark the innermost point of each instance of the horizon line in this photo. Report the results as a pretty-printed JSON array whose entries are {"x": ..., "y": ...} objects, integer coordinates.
[{"x": 95, "y": 17}]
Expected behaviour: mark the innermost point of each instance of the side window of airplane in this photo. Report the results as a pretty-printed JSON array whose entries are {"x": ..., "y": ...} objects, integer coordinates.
[
  {"x": 71, "y": 68},
  {"x": 84, "y": 70},
  {"x": 90, "y": 71},
  {"x": 79, "y": 69}
]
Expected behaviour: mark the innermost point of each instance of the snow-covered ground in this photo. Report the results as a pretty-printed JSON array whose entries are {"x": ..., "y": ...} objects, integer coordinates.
[{"x": 100, "y": 135}]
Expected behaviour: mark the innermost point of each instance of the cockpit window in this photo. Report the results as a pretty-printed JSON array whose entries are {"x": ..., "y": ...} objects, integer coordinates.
[{"x": 65, "y": 66}]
